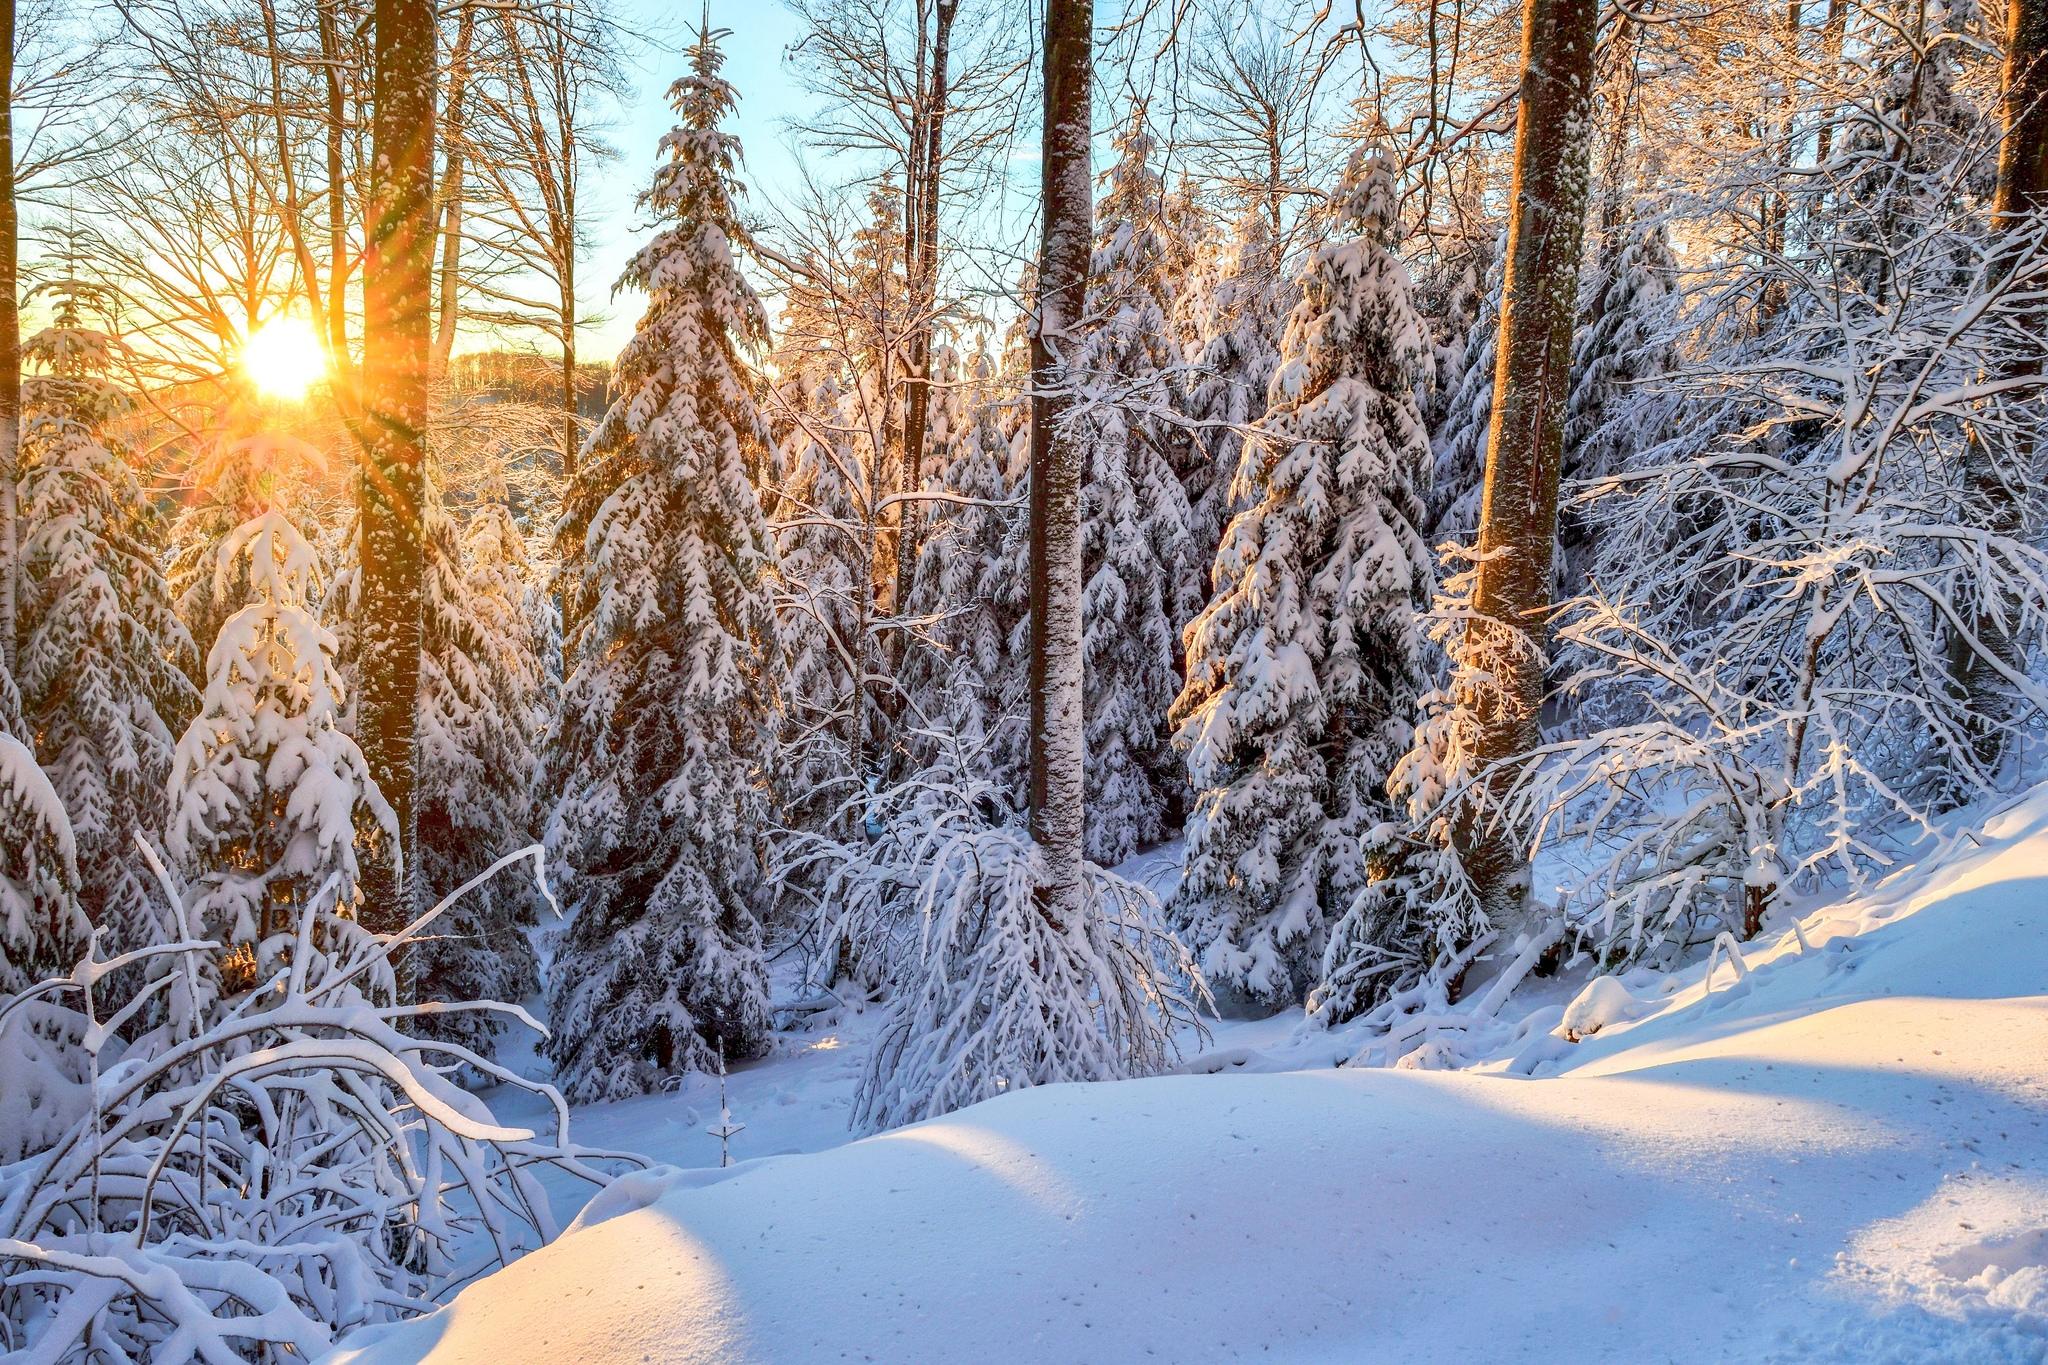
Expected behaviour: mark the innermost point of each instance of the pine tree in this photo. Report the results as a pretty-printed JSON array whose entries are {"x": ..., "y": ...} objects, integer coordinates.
[
  {"x": 1135, "y": 523},
  {"x": 102, "y": 653},
  {"x": 42, "y": 930},
  {"x": 483, "y": 709},
  {"x": 1303, "y": 676},
  {"x": 952, "y": 678},
  {"x": 1627, "y": 311},
  {"x": 667, "y": 714},
  {"x": 268, "y": 793},
  {"x": 1242, "y": 314}
]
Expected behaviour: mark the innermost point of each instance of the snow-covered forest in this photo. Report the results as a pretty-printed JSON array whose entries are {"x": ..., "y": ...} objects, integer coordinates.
[{"x": 1019, "y": 679}]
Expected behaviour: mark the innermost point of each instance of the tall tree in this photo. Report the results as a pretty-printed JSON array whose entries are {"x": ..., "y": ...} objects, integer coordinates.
[
  {"x": 398, "y": 276},
  {"x": 10, "y": 354},
  {"x": 1058, "y": 756},
  {"x": 1304, "y": 672},
  {"x": 670, "y": 705},
  {"x": 1525, "y": 443},
  {"x": 1981, "y": 658}
]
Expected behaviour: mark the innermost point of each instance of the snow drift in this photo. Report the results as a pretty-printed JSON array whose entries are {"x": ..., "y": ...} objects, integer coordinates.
[{"x": 1836, "y": 1149}]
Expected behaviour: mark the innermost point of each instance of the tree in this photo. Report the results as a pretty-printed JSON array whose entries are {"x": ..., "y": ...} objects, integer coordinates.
[
  {"x": 483, "y": 694},
  {"x": 1304, "y": 672},
  {"x": 103, "y": 652},
  {"x": 41, "y": 925},
  {"x": 398, "y": 290},
  {"x": 1137, "y": 550},
  {"x": 1525, "y": 441},
  {"x": 268, "y": 794},
  {"x": 668, "y": 713},
  {"x": 1058, "y": 754}
]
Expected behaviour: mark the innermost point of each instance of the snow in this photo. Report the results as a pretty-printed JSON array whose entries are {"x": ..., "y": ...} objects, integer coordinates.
[{"x": 1842, "y": 1155}]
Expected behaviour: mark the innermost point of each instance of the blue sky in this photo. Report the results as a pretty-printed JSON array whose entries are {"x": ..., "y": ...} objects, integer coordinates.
[{"x": 753, "y": 50}]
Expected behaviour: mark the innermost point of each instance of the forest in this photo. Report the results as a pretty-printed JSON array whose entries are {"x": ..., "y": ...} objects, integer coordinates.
[{"x": 567, "y": 566}]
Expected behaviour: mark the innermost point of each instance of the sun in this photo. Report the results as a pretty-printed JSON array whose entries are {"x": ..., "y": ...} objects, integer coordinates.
[{"x": 283, "y": 358}]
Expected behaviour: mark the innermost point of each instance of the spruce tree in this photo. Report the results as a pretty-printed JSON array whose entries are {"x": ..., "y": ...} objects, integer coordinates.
[
  {"x": 1135, "y": 542},
  {"x": 42, "y": 930},
  {"x": 103, "y": 653},
  {"x": 483, "y": 710},
  {"x": 268, "y": 793},
  {"x": 669, "y": 711},
  {"x": 1302, "y": 672}
]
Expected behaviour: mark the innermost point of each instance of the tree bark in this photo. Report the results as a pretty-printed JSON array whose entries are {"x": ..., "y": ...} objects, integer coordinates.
[
  {"x": 1066, "y": 209},
  {"x": 923, "y": 215},
  {"x": 10, "y": 358},
  {"x": 397, "y": 348},
  {"x": 451, "y": 191},
  {"x": 1525, "y": 445}
]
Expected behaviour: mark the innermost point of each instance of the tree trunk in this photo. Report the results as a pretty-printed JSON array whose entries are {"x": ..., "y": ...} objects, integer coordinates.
[
  {"x": 924, "y": 291},
  {"x": 1525, "y": 445},
  {"x": 10, "y": 359},
  {"x": 454, "y": 149},
  {"x": 397, "y": 346},
  {"x": 1066, "y": 209},
  {"x": 1997, "y": 493}
]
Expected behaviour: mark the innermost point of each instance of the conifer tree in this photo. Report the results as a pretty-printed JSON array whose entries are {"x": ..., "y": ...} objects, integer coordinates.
[
  {"x": 1137, "y": 553},
  {"x": 668, "y": 715},
  {"x": 483, "y": 710},
  {"x": 1302, "y": 673},
  {"x": 102, "y": 653},
  {"x": 42, "y": 929},
  {"x": 268, "y": 793}
]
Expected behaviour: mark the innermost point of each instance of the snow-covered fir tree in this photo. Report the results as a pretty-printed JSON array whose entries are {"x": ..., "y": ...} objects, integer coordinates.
[
  {"x": 102, "y": 656},
  {"x": 1627, "y": 313},
  {"x": 1303, "y": 675},
  {"x": 668, "y": 710},
  {"x": 42, "y": 928},
  {"x": 268, "y": 793},
  {"x": 1464, "y": 403},
  {"x": 1241, "y": 315},
  {"x": 1137, "y": 553},
  {"x": 483, "y": 710},
  {"x": 952, "y": 677}
]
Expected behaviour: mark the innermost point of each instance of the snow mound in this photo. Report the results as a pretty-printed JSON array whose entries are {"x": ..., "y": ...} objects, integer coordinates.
[
  {"x": 1605, "y": 1001},
  {"x": 1845, "y": 1160}
]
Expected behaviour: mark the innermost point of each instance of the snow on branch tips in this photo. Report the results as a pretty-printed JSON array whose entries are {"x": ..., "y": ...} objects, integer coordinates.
[
  {"x": 257, "y": 1173},
  {"x": 988, "y": 993}
]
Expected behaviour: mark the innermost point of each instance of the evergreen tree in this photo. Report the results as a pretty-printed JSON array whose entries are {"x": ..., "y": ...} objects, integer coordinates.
[
  {"x": 666, "y": 720},
  {"x": 1627, "y": 311},
  {"x": 268, "y": 793},
  {"x": 102, "y": 653},
  {"x": 1243, "y": 312},
  {"x": 42, "y": 930},
  {"x": 1137, "y": 554},
  {"x": 483, "y": 709},
  {"x": 952, "y": 678},
  {"x": 1465, "y": 411},
  {"x": 1302, "y": 672}
]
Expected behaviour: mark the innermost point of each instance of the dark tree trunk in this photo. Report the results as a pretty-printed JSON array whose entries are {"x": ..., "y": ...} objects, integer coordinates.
[
  {"x": 923, "y": 215},
  {"x": 1067, "y": 210},
  {"x": 1996, "y": 491},
  {"x": 398, "y": 267},
  {"x": 1532, "y": 376}
]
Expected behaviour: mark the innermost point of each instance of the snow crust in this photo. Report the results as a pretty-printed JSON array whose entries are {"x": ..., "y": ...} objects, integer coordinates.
[{"x": 1839, "y": 1152}]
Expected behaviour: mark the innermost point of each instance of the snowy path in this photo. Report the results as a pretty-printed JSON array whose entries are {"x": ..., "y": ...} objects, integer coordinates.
[{"x": 1843, "y": 1158}]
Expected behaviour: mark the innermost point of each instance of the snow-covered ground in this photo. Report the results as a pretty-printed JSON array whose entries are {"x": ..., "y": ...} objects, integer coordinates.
[{"x": 1841, "y": 1155}]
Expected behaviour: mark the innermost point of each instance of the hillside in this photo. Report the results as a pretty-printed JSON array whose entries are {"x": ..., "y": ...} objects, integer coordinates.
[{"x": 1842, "y": 1155}]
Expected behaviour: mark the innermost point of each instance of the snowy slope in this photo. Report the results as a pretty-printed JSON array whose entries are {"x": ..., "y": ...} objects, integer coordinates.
[{"x": 1841, "y": 1156}]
